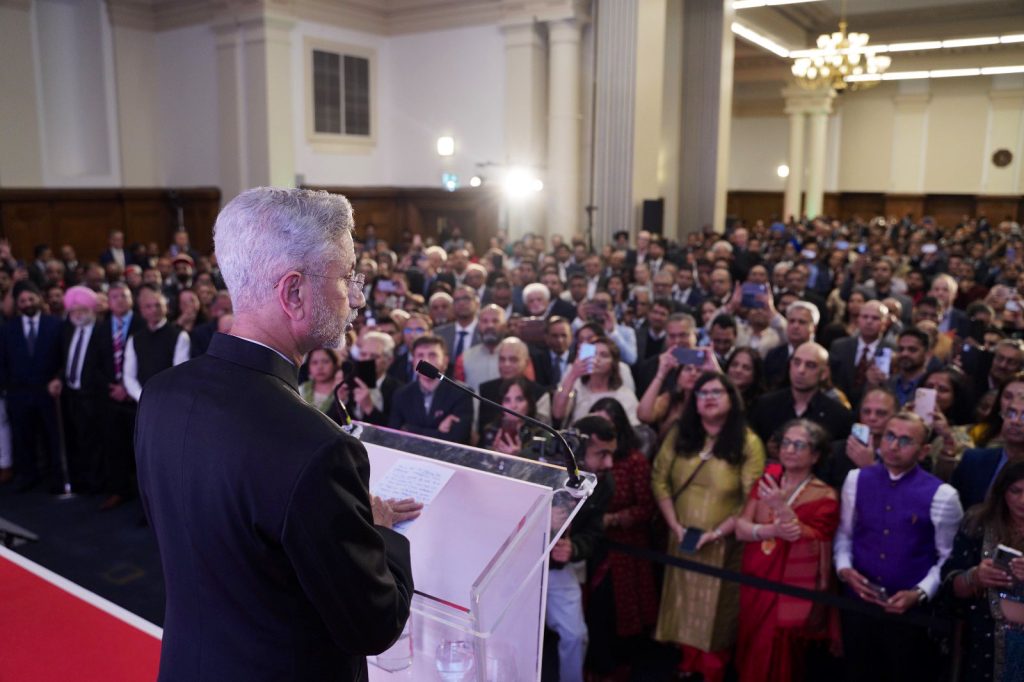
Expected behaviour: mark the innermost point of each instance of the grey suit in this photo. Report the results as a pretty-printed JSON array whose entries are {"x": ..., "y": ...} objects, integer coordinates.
[{"x": 447, "y": 333}]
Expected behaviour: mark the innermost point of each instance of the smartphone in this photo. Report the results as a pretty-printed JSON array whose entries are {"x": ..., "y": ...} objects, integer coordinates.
[
  {"x": 387, "y": 286},
  {"x": 842, "y": 245},
  {"x": 883, "y": 361},
  {"x": 862, "y": 248},
  {"x": 1003, "y": 556},
  {"x": 690, "y": 539},
  {"x": 880, "y": 592},
  {"x": 587, "y": 351},
  {"x": 689, "y": 356},
  {"x": 752, "y": 294},
  {"x": 1013, "y": 306},
  {"x": 367, "y": 371},
  {"x": 862, "y": 433},
  {"x": 924, "y": 404},
  {"x": 498, "y": 261},
  {"x": 929, "y": 248}
]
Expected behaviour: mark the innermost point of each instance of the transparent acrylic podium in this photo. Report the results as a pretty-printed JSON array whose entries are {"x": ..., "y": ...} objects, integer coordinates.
[{"x": 479, "y": 557}]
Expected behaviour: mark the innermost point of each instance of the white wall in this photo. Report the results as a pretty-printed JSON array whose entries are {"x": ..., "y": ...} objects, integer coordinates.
[
  {"x": 188, "y": 113},
  {"x": 428, "y": 85}
]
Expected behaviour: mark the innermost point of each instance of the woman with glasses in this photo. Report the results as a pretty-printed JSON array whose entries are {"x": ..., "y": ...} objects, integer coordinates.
[
  {"x": 590, "y": 379},
  {"x": 663, "y": 402},
  {"x": 788, "y": 524},
  {"x": 702, "y": 476},
  {"x": 990, "y": 585}
]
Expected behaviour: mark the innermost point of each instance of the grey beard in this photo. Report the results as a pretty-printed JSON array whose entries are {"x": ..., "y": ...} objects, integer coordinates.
[{"x": 328, "y": 329}]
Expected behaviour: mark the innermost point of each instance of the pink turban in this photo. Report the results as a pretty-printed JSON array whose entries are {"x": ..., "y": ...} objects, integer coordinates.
[{"x": 80, "y": 297}]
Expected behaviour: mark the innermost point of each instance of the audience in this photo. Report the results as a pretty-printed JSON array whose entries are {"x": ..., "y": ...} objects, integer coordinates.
[{"x": 805, "y": 310}]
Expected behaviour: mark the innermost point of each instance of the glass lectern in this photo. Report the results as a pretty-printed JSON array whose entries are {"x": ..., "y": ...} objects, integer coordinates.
[{"x": 479, "y": 559}]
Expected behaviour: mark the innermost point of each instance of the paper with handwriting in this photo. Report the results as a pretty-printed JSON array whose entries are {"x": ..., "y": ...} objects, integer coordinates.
[{"x": 421, "y": 481}]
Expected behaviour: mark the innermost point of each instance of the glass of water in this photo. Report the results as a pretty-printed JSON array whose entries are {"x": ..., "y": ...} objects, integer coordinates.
[{"x": 454, "y": 660}]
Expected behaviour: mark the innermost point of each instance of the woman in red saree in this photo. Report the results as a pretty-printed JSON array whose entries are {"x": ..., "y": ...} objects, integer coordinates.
[{"x": 788, "y": 524}]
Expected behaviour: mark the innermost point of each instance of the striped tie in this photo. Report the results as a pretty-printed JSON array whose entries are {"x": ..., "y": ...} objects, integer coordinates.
[{"x": 118, "y": 347}]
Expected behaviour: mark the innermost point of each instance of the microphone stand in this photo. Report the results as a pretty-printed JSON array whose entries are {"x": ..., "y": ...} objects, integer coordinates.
[{"x": 571, "y": 467}]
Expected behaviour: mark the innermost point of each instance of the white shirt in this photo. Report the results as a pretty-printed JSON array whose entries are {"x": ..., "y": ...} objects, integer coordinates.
[
  {"x": 285, "y": 357},
  {"x": 131, "y": 361},
  {"x": 118, "y": 255},
  {"x": 945, "y": 513},
  {"x": 592, "y": 283},
  {"x": 470, "y": 329},
  {"x": 872, "y": 349},
  {"x": 80, "y": 339},
  {"x": 28, "y": 323}
]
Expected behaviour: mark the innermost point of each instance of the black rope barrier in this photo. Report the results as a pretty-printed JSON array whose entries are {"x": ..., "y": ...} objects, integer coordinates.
[{"x": 937, "y": 624}]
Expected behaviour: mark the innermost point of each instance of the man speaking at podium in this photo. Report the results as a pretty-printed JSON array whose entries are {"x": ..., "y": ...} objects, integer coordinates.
[{"x": 276, "y": 563}]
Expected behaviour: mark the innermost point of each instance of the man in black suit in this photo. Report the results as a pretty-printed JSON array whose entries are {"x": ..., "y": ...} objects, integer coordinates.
[
  {"x": 802, "y": 319},
  {"x": 115, "y": 252},
  {"x": 277, "y": 563},
  {"x": 650, "y": 335},
  {"x": 550, "y": 305},
  {"x": 431, "y": 407},
  {"x": 513, "y": 359},
  {"x": 29, "y": 373},
  {"x": 553, "y": 359},
  {"x": 680, "y": 332},
  {"x": 83, "y": 389},
  {"x": 851, "y": 357},
  {"x": 401, "y": 368},
  {"x": 802, "y": 398}
]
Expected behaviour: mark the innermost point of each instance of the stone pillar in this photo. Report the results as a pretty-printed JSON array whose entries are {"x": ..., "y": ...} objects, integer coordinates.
[
  {"x": 21, "y": 155},
  {"x": 525, "y": 118},
  {"x": 562, "y": 179},
  {"x": 707, "y": 110},
  {"x": 794, "y": 183},
  {"x": 254, "y": 89},
  {"x": 816, "y": 162},
  {"x": 616, "y": 35}
]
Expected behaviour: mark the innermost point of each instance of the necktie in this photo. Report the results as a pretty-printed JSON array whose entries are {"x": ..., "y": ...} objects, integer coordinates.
[
  {"x": 556, "y": 367},
  {"x": 31, "y": 339},
  {"x": 459, "y": 345},
  {"x": 119, "y": 326},
  {"x": 862, "y": 367},
  {"x": 76, "y": 355}
]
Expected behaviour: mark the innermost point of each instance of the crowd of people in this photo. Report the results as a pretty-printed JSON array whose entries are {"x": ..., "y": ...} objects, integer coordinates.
[{"x": 837, "y": 406}]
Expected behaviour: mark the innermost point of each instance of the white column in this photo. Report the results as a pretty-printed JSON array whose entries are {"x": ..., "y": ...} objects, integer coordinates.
[
  {"x": 525, "y": 117},
  {"x": 794, "y": 182},
  {"x": 816, "y": 163},
  {"x": 21, "y": 155},
  {"x": 562, "y": 178},
  {"x": 230, "y": 105},
  {"x": 268, "y": 95}
]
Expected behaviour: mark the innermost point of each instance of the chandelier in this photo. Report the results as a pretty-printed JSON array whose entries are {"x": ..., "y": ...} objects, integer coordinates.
[{"x": 840, "y": 55}]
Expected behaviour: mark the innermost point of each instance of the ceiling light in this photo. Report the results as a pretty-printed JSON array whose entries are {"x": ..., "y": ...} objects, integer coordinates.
[
  {"x": 905, "y": 75},
  {"x": 749, "y": 4},
  {"x": 914, "y": 47},
  {"x": 970, "y": 42},
  {"x": 476, "y": 181},
  {"x": 752, "y": 36},
  {"x": 782, "y": 171},
  {"x": 937, "y": 73},
  {"x": 999, "y": 70},
  {"x": 953, "y": 73},
  {"x": 1015, "y": 38},
  {"x": 445, "y": 146}
]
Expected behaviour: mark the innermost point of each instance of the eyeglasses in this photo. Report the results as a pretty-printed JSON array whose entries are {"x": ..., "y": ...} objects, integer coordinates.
[
  {"x": 356, "y": 280},
  {"x": 705, "y": 393},
  {"x": 901, "y": 441},
  {"x": 415, "y": 330},
  {"x": 798, "y": 445}
]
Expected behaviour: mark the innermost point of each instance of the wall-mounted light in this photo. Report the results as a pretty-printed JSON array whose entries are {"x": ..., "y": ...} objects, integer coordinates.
[
  {"x": 782, "y": 171},
  {"x": 521, "y": 182},
  {"x": 445, "y": 145},
  {"x": 476, "y": 181}
]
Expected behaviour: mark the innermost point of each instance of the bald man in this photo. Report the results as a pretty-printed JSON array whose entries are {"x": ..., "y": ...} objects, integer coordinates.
[
  {"x": 513, "y": 362},
  {"x": 802, "y": 398},
  {"x": 851, "y": 357}
]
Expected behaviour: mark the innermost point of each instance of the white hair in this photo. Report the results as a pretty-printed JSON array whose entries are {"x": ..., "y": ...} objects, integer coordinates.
[
  {"x": 536, "y": 288},
  {"x": 809, "y": 307},
  {"x": 440, "y": 295},
  {"x": 265, "y": 231},
  {"x": 436, "y": 251},
  {"x": 386, "y": 341}
]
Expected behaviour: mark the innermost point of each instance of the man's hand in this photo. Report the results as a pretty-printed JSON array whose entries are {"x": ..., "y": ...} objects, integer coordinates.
[
  {"x": 562, "y": 551},
  {"x": 54, "y": 387},
  {"x": 446, "y": 424},
  {"x": 118, "y": 392},
  {"x": 860, "y": 454},
  {"x": 387, "y": 513},
  {"x": 362, "y": 396},
  {"x": 902, "y": 601},
  {"x": 859, "y": 584}
]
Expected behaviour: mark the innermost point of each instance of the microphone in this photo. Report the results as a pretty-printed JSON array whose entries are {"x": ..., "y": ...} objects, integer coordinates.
[{"x": 572, "y": 468}]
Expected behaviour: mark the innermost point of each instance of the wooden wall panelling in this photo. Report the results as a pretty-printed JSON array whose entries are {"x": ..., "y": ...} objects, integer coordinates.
[
  {"x": 752, "y": 206},
  {"x": 862, "y": 205},
  {"x": 901, "y": 205},
  {"x": 949, "y": 209},
  {"x": 200, "y": 207},
  {"x": 997, "y": 209},
  {"x": 85, "y": 223},
  {"x": 146, "y": 219},
  {"x": 831, "y": 203},
  {"x": 25, "y": 224}
]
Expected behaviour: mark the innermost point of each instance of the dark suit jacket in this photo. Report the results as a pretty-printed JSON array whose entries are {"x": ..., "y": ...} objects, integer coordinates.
[
  {"x": 399, "y": 369},
  {"x": 562, "y": 309},
  {"x": 23, "y": 375},
  {"x": 843, "y": 362},
  {"x": 104, "y": 334},
  {"x": 199, "y": 339},
  {"x": 646, "y": 347},
  {"x": 91, "y": 381},
  {"x": 776, "y": 366},
  {"x": 378, "y": 417},
  {"x": 273, "y": 567},
  {"x": 973, "y": 476},
  {"x": 773, "y": 410},
  {"x": 407, "y": 412}
]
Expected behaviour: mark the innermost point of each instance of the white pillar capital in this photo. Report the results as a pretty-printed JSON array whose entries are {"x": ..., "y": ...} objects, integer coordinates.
[
  {"x": 799, "y": 100},
  {"x": 522, "y": 34},
  {"x": 564, "y": 31}
]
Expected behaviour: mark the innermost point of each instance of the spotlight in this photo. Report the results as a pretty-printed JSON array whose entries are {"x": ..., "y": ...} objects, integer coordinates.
[
  {"x": 521, "y": 182},
  {"x": 445, "y": 146},
  {"x": 476, "y": 181},
  {"x": 782, "y": 171}
]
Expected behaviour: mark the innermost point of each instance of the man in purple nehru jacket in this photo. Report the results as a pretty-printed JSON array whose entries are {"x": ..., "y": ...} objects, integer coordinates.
[{"x": 896, "y": 530}]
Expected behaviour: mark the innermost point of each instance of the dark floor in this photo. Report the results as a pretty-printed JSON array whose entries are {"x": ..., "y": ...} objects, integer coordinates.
[{"x": 109, "y": 552}]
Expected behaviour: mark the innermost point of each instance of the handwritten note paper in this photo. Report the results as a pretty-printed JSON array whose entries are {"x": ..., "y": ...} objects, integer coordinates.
[{"x": 421, "y": 481}]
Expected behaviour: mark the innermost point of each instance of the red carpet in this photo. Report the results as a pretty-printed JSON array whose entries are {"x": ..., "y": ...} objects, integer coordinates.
[{"x": 53, "y": 630}]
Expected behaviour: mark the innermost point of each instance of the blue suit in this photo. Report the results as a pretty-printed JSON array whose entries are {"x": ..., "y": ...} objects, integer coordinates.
[
  {"x": 24, "y": 377},
  {"x": 407, "y": 412},
  {"x": 974, "y": 475}
]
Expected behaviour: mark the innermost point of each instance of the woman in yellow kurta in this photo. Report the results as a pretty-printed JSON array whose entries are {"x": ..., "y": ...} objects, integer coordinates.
[{"x": 702, "y": 476}]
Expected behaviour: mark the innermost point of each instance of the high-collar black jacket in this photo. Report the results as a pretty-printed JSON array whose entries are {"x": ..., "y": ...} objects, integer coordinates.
[{"x": 273, "y": 567}]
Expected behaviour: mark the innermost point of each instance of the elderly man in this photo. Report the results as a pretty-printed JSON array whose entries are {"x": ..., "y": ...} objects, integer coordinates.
[
  {"x": 513, "y": 362},
  {"x": 801, "y": 320},
  {"x": 541, "y": 300},
  {"x": 944, "y": 288},
  {"x": 441, "y": 308},
  {"x": 851, "y": 357},
  {"x": 372, "y": 404},
  {"x": 155, "y": 346},
  {"x": 247, "y": 487},
  {"x": 802, "y": 398},
  {"x": 480, "y": 363}
]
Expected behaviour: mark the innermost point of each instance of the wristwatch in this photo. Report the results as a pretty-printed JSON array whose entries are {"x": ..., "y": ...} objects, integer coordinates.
[{"x": 922, "y": 596}]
